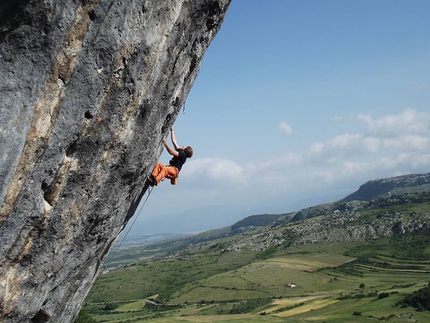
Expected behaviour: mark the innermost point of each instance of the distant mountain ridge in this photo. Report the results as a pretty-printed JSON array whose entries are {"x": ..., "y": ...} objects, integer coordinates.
[
  {"x": 371, "y": 190},
  {"x": 379, "y": 208},
  {"x": 392, "y": 185},
  {"x": 256, "y": 221}
]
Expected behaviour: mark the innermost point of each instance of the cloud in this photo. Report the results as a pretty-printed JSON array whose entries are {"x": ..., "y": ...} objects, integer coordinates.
[
  {"x": 344, "y": 161},
  {"x": 390, "y": 145},
  {"x": 286, "y": 128},
  {"x": 344, "y": 141},
  {"x": 350, "y": 168},
  {"x": 408, "y": 142},
  {"x": 316, "y": 148},
  {"x": 219, "y": 169},
  {"x": 407, "y": 122},
  {"x": 346, "y": 145},
  {"x": 405, "y": 160},
  {"x": 404, "y": 132},
  {"x": 372, "y": 144}
]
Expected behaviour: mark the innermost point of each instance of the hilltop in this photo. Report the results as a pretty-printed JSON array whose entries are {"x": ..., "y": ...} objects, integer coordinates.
[{"x": 371, "y": 190}]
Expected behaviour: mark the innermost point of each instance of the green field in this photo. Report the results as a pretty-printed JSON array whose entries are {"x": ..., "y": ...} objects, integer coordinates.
[
  {"x": 333, "y": 283},
  {"x": 216, "y": 277}
]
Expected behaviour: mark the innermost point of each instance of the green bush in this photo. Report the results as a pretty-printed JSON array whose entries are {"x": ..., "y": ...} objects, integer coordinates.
[
  {"x": 419, "y": 299},
  {"x": 383, "y": 295},
  {"x": 268, "y": 253},
  {"x": 110, "y": 307},
  {"x": 84, "y": 317}
]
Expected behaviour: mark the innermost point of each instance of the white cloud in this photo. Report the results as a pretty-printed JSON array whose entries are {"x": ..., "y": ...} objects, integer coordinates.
[
  {"x": 352, "y": 168},
  {"x": 405, "y": 132},
  {"x": 344, "y": 141},
  {"x": 372, "y": 144},
  {"x": 390, "y": 145},
  {"x": 286, "y": 128},
  {"x": 406, "y": 160},
  {"x": 216, "y": 169},
  {"x": 346, "y": 145},
  {"x": 406, "y": 122},
  {"x": 344, "y": 160},
  {"x": 408, "y": 142},
  {"x": 316, "y": 148}
]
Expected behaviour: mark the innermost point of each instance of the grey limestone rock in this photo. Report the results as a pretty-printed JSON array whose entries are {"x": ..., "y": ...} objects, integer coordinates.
[{"x": 88, "y": 88}]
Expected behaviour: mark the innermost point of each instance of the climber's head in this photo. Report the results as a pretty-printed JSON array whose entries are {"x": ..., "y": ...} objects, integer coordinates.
[{"x": 188, "y": 151}]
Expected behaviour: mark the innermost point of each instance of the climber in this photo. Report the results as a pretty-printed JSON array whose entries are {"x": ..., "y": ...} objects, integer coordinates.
[{"x": 180, "y": 155}]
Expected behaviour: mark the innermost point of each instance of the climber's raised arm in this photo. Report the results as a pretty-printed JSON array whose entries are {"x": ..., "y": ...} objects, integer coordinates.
[
  {"x": 172, "y": 134},
  {"x": 169, "y": 149}
]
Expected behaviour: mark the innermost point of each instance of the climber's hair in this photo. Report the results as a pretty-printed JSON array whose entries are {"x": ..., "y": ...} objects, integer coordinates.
[{"x": 188, "y": 151}]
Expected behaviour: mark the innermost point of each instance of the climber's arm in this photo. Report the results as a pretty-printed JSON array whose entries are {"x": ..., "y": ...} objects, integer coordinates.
[
  {"x": 170, "y": 150},
  {"x": 172, "y": 133}
]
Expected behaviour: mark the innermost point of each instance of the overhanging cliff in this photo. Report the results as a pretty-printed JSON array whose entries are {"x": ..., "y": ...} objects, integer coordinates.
[{"x": 87, "y": 91}]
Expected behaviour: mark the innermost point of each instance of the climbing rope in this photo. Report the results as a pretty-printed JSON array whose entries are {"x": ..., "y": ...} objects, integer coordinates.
[{"x": 135, "y": 218}]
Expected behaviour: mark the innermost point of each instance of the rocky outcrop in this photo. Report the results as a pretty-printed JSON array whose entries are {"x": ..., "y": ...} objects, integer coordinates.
[
  {"x": 354, "y": 224},
  {"x": 393, "y": 185},
  {"x": 370, "y": 191},
  {"x": 88, "y": 88}
]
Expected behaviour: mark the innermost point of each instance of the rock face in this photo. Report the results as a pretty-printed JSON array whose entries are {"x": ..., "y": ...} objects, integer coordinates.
[{"x": 88, "y": 88}]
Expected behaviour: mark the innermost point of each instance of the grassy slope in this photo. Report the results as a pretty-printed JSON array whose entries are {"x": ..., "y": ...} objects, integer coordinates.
[{"x": 328, "y": 286}]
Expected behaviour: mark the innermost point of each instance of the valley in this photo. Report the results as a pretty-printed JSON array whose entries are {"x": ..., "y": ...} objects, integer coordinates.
[
  {"x": 347, "y": 261},
  {"x": 307, "y": 284}
]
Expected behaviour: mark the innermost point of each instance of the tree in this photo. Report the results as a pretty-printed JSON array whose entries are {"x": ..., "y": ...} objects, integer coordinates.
[
  {"x": 383, "y": 295},
  {"x": 110, "y": 307},
  {"x": 84, "y": 317},
  {"x": 419, "y": 299}
]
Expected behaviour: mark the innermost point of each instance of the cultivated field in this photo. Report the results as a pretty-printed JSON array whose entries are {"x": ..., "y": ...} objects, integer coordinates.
[{"x": 314, "y": 283}]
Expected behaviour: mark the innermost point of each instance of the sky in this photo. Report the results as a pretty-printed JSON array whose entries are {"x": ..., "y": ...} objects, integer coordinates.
[{"x": 301, "y": 102}]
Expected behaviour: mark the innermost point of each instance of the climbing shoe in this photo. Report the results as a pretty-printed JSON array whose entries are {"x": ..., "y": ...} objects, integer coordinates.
[{"x": 151, "y": 180}]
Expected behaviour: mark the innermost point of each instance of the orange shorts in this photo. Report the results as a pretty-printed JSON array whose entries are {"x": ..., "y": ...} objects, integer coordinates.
[{"x": 160, "y": 172}]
